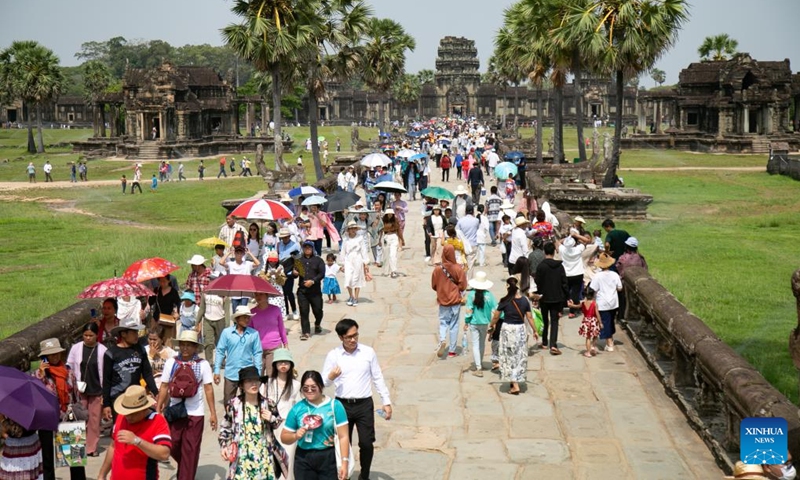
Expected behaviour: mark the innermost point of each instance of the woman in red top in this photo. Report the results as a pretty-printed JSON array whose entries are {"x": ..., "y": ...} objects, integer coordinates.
[{"x": 445, "y": 164}]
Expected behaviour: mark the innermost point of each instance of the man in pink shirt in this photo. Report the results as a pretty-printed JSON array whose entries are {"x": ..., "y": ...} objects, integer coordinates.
[{"x": 267, "y": 320}]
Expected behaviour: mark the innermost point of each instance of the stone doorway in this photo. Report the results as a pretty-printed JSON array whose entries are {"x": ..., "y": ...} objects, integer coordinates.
[
  {"x": 12, "y": 115},
  {"x": 457, "y": 110}
]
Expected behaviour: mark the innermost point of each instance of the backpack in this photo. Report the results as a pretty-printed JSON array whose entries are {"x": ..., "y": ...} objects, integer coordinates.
[
  {"x": 239, "y": 239},
  {"x": 183, "y": 382}
]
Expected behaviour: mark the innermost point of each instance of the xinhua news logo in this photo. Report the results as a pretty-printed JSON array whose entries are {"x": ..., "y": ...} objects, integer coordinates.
[{"x": 763, "y": 441}]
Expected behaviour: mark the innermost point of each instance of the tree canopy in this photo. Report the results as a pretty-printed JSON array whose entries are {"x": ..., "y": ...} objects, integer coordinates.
[{"x": 717, "y": 47}]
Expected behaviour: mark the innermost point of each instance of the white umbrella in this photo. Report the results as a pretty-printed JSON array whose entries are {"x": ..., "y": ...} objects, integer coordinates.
[
  {"x": 376, "y": 160},
  {"x": 314, "y": 200},
  {"x": 406, "y": 153},
  {"x": 392, "y": 187}
]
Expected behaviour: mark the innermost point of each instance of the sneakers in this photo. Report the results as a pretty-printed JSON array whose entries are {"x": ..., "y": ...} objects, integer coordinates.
[
  {"x": 295, "y": 316},
  {"x": 441, "y": 349},
  {"x": 451, "y": 354},
  {"x": 427, "y": 259},
  {"x": 609, "y": 348},
  {"x": 304, "y": 337},
  {"x": 478, "y": 373},
  {"x": 355, "y": 303},
  {"x": 349, "y": 302}
]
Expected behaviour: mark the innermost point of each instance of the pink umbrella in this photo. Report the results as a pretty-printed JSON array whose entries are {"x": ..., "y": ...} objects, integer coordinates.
[
  {"x": 262, "y": 209},
  {"x": 116, "y": 287},
  {"x": 240, "y": 286},
  {"x": 148, "y": 269}
]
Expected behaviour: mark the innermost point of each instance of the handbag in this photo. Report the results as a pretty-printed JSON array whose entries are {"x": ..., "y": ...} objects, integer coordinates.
[
  {"x": 176, "y": 412},
  {"x": 81, "y": 385},
  {"x": 351, "y": 458}
]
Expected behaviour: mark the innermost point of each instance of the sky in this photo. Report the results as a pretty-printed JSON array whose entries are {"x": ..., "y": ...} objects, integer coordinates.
[{"x": 763, "y": 28}]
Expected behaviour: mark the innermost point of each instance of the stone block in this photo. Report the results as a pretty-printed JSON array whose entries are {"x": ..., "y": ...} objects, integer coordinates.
[
  {"x": 535, "y": 427},
  {"x": 475, "y": 451},
  {"x": 482, "y": 471},
  {"x": 537, "y": 451}
]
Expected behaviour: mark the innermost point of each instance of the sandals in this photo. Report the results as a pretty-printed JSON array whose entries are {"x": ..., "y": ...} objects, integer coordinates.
[
  {"x": 304, "y": 337},
  {"x": 588, "y": 354},
  {"x": 555, "y": 351},
  {"x": 495, "y": 366}
]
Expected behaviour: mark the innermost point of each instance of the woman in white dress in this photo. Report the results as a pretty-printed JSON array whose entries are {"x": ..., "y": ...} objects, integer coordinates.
[
  {"x": 283, "y": 389},
  {"x": 355, "y": 257}
]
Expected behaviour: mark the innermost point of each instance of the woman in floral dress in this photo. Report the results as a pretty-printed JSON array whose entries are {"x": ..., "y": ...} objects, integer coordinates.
[
  {"x": 274, "y": 274},
  {"x": 513, "y": 338},
  {"x": 247, "y": 436}
]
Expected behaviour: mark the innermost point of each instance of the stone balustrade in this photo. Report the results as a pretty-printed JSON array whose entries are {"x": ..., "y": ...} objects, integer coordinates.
[{"x": 714, "y": 386}]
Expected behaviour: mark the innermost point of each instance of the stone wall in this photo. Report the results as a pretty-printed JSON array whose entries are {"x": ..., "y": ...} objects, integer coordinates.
[{"x": 714, "y": 386}]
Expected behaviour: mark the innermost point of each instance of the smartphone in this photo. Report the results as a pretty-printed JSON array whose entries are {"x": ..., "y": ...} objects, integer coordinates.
[{"x": 93, "y": 313}]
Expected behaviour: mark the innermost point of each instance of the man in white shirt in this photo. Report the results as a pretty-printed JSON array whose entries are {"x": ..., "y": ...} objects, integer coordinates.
[
  {"x": 519, "y": 243},
  {"x": 228, "y": 231},
  {"x": 341, "y": 180},
  {"x": 491, "y": 161},
  {"x": 352, "y": 368},
  {"x": 48, "y": 167}
]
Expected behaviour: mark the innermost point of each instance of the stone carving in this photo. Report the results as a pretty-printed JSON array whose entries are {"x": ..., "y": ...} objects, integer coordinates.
[
  {"x": 608, "y": 145},
  {"x": 794, "y": 337}
]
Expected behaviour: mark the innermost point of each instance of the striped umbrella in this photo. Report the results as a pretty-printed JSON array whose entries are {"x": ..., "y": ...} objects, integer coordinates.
[{"x": 262, "y": 209}]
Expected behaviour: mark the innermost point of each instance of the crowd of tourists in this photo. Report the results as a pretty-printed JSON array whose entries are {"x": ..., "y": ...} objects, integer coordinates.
[{"x": 148, "y": 366}]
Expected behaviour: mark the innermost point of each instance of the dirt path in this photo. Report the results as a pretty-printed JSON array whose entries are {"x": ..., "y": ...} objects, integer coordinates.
[
  {"x": 689, "y": 169},
  {"x": 17, "y": 186}
]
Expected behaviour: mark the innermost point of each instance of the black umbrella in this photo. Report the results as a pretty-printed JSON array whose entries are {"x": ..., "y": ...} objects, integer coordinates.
[{"x": 339, "y": 201}]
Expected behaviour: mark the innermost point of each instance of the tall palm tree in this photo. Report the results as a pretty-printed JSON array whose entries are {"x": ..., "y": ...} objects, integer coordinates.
[
  {"x": 426, "y": 76},
  {"x": 718, "y": 47},
  {"x": 384, "y": 56},
  {"x": 96, "y": 79},
  {"x": 30, "y": 72},
  {"x": 508, "y": 49},
  {"x": 658, "y": 76},
  {"x": 406, "y": 90},
  {"x": 494, "y": 77},
  {"x": 626, "y": 37},
  {"x": 269, "y": 37}
]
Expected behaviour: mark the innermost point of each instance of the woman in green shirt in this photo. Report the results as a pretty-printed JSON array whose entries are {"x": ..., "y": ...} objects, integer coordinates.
[{"x": 480, "y": 303}]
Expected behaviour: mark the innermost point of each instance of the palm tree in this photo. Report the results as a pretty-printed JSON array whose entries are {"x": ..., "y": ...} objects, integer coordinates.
[
  {"x": 658, "y": 76},
  {"x": 96, "y": 79},
  {"x": 30, "y": 72},
  {"x": 626, "y": 37},
  {"x": 384, "y": 56},
  {"x": 508, "y": 49},
  {"x": 718, "y": 47},
  {"x": 406, "y": 91},
  {"x": 426, "y": 76},
  {"x": 494, "y": 77},
  {"x": 268, "y": 37}
]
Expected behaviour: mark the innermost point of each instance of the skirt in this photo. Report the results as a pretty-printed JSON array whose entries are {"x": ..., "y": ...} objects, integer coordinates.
[
  {"x": 330, "y": 286},
  {"x": 22, "y": 459},
  {"x": 513, "y": 353},
  {"x": 590, "y": 327}
]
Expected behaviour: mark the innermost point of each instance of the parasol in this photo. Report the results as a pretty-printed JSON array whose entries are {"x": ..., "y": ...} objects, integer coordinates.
[
  {"x": 376, "y": 160},
  {"x": 116, "y": 287},
  {"x": 262, "y": 209},
  {"x": 240, "y": 286},
  {"x": 314, "y": 200},
  {"x": 305, "y": 190},
  {"x": 503, "y": 170},
  {"x": 212, "y": 242},
  {"x": 148, "y": 269},
  {"x": 392, "y": 187},
  {"x": 439, "y": 193},
  {"x": 25, "y": 400}
]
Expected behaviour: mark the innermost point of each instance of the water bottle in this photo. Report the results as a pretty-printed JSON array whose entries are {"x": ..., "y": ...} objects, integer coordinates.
[
  {"x": 464, "y": 345},
  {"x": 381, "y": 413}
]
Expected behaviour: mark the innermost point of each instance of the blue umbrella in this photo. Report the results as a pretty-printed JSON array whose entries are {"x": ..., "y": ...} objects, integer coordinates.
[
  {"x": 443, "y": 140},
  {"x": 386, "y": 177},
  {"x": 413, "y": 134},
  {"x": 505, "y": 169},
  {"x": 305, "y": 190},
  {"x": 515, "y": 155},
  {"x": 418, "y": 157}
]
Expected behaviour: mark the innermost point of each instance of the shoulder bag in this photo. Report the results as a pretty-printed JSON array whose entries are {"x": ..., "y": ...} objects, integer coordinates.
[
  {"x": 351, "y": 458},
  {"x": 81, "y": 385}
]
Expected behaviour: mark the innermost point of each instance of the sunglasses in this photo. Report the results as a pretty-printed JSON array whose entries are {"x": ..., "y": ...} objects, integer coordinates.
[{"x": 310, "y": 388}]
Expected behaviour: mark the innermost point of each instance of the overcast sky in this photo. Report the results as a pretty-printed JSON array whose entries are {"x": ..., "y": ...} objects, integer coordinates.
[{"x": 764, "y": 28}]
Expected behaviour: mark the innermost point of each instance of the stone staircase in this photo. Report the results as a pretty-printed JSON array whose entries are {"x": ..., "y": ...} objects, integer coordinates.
[
  {"x": 760, "y": 145},
  {"x": 148, "y": 151}
]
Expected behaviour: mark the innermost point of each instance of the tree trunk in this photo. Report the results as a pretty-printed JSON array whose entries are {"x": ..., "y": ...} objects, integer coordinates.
[
  {"x": 579, "y": 110},
  {"x": 26, "y": 109},
  {"x": 516, "y": 105},
  {"x": 40, "y": 148},
  {"x": 381, "y": 114},
  {"x": 539, "y": 127},
  {"x": 611, "y": 173},
  {"x": 558, "y": 127},
  {"x": 313, "y": 121},
  {"x": 280, "y": 165},
  {"x": 505, "y": 108}
]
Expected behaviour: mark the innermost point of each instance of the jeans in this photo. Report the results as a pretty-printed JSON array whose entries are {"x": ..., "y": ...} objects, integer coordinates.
[
  {"x": 377, "y": 253},
  {"x": 476, "y": 193},
  {"x": 427, "y": 243},
  {"x": 550, "y": 315},
  {"x": 222, "y": 172},
  {"x": 445, "y": 174},
  {"x": 235, "y": 302},
  {"x": 124, "y": 187},
  {"x": 493, "y": 232},
  {"x": 412, "y": 189},
  {"x": 134, "y": 186},
  {"x": 448, "y": 325},
  {"x": 477, "y": 335},
  {"x": 318, "y": 246},
  {"x": 308, "y": 302}
]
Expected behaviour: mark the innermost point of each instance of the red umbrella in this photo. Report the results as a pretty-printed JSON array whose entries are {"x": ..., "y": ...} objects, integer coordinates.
[
  {"x": 262, "y": 209},
  {"x": 240, "y": 286},
  {"x": 148, "y": 269},
  {"x": 116, "y": 287}
]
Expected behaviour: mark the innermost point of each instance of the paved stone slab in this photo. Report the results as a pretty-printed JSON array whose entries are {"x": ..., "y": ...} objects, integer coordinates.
[
  {"x": 537, "y": 451},
  {"x": 482, "y": 471},
  {"x": 474, "y": 451}
]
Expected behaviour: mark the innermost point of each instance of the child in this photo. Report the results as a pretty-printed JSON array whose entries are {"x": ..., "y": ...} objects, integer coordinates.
[
  {"x": 330, "y": 286},
  {"x": 124, "y": 182},
  {"x": 598, "y": 240},
  {"x": 590, "y": 325},
  {"x": 275, "y": 274},
  {"x": 188, "y": 314},
  {"x": 511, "y": 188},
  {"x": 504, "y": 234},
  {"x": 154, "y": 184},
  {"x": 483, "y": 235}
]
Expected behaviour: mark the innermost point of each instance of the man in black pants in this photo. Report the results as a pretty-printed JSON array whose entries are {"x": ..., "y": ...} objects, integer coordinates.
[
  {"x": 309, "y": 289},
  {"x": 353, "y": 368},
  {"x": 551, "y": 283}
]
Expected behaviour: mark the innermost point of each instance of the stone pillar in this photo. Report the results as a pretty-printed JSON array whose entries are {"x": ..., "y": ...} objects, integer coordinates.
[
  {"x": 796, "y": 122},
  {"x": 768, "y": 121},
  {"x": 181, "y": 126},
  {"x": 102, "y": 110},
  {"x": 95, "y": 126},
  {"x": 265, "y": 118},
  {"x": 249, "y": 114},
  {"x": 659, "y": 115},
  {"x": 720, "y": 123},
  {"x": 745, "y": 119},
  {"x": 642, "y": 117},
  {"x": 112, "y": 121}
]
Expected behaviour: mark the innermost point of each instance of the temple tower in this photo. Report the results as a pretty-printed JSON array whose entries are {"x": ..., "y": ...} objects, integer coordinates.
[{"x": 457, "y": 77}]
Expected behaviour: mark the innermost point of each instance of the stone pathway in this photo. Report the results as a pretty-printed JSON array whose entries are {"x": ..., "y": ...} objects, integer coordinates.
[{"x": 599, "y": 418}]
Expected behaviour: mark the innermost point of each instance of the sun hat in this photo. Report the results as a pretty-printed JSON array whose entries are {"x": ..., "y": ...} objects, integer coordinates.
[
  {"x": 188, "y": 336},
  {"x": 604, "y": 260},
  {"x": 506, "y": 205},
  {"x": 352, "y": 224},
  {"x": 520, "y": 221},
  {"x": 480, "y": 281},
  {"x": 286, "y": 198},
  {"x": 568, "y": 242},
  {"x": 242, "y": 311},
  {"x": 632, "y": 242},
  {"x": 388, "y": 211},
  {"x": 272, "y": 255},
  {"x": 50, "y": 346},
  {"x": 284, "y": 232},
  {"x": 282, "y": 355},
  {"x": 578, "y": 218},
  {"x": 249, "y": 373},
  {"x": 743, "y": 471},
  {"x": 460, "y": 190},
  {"x": 134, "y": 400},
  {"x": 197, "y": 260},
  {"x": 189, "y": 296},
  {"x": 127, "y": 324},
  {"x": 436, "y": 207}
]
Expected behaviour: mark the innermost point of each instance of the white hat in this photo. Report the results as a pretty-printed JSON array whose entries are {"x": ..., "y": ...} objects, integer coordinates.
[
  {"x": 460, "y": 190},
  {"x": 388, "y": 211},
  {"x": 197, "y": 260},
  {"x": 242, "y": 310},
  {"x": 352, "y": 224},
  {"x": 127, "y": 324},
  {"x": 632, "y": 242},
  {"x": 507, "y": 205},
  {"x": 578, "y": 218},
  {"x": 50, "y": 346},
  {"x": 286, "y": 198},
  {"x": 188, "y": 336},
  {"x": 480, "y": 281},
  {"x": 568, "y": 242},
  {"x": 284, "y": 232}
]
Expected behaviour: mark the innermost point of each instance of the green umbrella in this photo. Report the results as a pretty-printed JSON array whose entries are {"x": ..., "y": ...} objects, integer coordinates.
[
  {"x": 320, "y": 139},
  {"x": 438, "y": 193}
]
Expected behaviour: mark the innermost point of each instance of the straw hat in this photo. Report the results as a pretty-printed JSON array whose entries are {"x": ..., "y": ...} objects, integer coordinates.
[
  {"x": 127, "y": 324},
  {"x": 580, "y": 219},
  {"x": 520, "y": 221},
  {"x": 242, "y": 311},
  {"x": 604, "y": 261},
  {"x": 134, "y": 400},
  {"x": 480, "y": 281},
  {"x": 197, "y": 260},
  {"x": 272, "y": 255},
  {"x": 743, "y": 471},
  {"x": 352, "y": 224},
  {"x": 188, "y": 336},
  {"x": 284, "y": 232},
  {"x": 50, "y": 346},
  {"x": 286, "y": 198},
  {"x": 506, "y": 205}
]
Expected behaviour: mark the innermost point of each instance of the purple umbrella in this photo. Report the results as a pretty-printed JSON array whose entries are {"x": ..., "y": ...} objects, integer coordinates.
[{"x": 25, "y": 399}]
